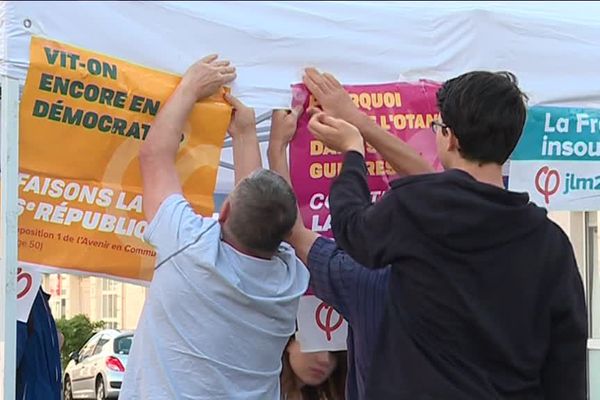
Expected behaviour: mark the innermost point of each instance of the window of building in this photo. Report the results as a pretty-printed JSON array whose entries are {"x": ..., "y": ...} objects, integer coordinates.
[
  {"x": 109, "y": 285},
  {"x": 63, "y": 308},
  {"x": 109, "y": 306},
  {"x": 63, "y": 285},
  {"x": 110, "y": 311}
]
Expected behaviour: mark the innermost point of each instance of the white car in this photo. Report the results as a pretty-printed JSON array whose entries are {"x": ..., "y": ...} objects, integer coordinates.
[{"x": 96, "y": 371}]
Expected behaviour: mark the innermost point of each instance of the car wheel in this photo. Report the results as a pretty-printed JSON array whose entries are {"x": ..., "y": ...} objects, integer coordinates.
[
  {"x": 100, "y": 392},
  {"x": 67, "y": 389}
]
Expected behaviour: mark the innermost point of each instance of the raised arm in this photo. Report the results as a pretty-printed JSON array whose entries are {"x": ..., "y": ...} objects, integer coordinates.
[
  {"x": 360, "y": 228},
  {"x": 158, "y": 152},
  {"x": 334, "y": 277},
  {"x": 336, "y": 102},
  {"x": 246, "y": 151},
  {"x": 283, "y": 127}
]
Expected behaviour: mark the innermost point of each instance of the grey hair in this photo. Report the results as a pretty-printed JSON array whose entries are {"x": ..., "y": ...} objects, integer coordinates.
[{"x": 263, "y": 211}]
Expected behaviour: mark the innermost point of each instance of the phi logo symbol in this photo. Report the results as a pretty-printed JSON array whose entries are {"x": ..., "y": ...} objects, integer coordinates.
[{"x": 547, "y": 182}]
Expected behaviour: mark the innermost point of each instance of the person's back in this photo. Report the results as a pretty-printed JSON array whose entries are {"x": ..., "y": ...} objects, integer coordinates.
[
  {"x": 224, "y": 297},
  {"x": 216, "y": 318},
  {"x": 484, "y": 287},
  {"x": 485, "y": 298}
]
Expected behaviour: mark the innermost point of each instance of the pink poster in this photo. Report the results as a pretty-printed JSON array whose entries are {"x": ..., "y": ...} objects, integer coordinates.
[{"x": 404, "y": 109}]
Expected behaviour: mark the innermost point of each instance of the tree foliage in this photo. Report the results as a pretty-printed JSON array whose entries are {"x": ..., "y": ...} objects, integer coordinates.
[{"x": 76, "y": 331}]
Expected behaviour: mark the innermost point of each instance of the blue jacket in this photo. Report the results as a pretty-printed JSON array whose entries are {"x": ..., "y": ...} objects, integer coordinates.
[
  {"x": 38, "y": 354},
  {"x": 359, "y": 295}
]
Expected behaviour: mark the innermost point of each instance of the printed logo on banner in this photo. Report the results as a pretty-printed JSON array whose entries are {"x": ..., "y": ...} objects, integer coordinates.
[
  {"x": 558, "y": 158},
  {"x": 327, "y": 319},
  {"x": 550, "y": 182},
  {"x": 547, "y": 182},
  {"x": 320, "y": 327},
  {"x": 23, "y": 276},
  {"x": 28, "y": 284}
]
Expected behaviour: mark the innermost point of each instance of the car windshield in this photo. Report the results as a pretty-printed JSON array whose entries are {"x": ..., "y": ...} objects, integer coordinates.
[{"x": 123, "y": 344}]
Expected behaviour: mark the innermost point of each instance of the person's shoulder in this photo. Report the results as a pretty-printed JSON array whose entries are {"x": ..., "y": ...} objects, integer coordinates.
[
  {"x": 172, "y": 201},
  {"x": 199, "y": 240},
  {"x": 288, "y": 256},
  {"x": 559, "y": 238},
  {"x": 554, "y": 247},
  {"x": 426, "y": 179},
  {"x": 540, "y": 228},
  {"x": 202, "y": 232}
]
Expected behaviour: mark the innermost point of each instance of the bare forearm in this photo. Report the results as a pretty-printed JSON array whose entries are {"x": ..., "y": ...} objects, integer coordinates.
[
  {"x": 278, "y": 162},
  {"x": 403, "y": 158},
  {"x": 165, "y": 134},
  {"x": 246, "y": 155},
  {"x": 301, "y": 238},
  {"x": 158, "y": 152}
]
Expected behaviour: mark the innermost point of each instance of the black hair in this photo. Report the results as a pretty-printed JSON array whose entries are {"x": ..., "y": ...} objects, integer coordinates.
[{"x": 486, "y": 111}]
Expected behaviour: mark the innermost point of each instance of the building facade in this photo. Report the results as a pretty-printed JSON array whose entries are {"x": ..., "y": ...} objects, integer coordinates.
[{"x": 116, "y": 303}]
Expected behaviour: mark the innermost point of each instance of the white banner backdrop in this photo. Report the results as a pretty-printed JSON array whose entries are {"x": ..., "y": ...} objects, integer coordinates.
[{"x": 553, "y": 47}]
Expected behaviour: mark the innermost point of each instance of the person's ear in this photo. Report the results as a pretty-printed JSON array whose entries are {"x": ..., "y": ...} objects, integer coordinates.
[
  {"x": 452, "y": 144},
  {"x": 225, "y": 210}
]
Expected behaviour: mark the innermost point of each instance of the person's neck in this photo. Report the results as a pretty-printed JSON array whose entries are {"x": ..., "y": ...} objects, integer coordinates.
[
  {"x": 485, "y": 173},
  {"x": 233, "y": 242}
]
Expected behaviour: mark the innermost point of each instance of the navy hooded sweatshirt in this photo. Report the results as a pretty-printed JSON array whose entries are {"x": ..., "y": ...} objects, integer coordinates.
[{"x": 485, "y": 300}]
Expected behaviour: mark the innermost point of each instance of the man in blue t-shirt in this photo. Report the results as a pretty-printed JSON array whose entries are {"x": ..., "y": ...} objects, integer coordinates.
[{"x": 223, "y": 300}]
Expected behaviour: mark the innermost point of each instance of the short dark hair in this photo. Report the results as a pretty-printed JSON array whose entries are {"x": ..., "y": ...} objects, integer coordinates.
[
  {"x": 263, "y": 211},
  {"x": 486, "y": 112}
]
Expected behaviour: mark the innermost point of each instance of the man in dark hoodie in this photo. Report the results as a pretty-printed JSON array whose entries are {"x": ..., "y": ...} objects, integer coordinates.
[{"x": 485, "y": 298}]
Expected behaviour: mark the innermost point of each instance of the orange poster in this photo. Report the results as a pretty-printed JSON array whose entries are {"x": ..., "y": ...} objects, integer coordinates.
[{"x": 83, "y": 116}]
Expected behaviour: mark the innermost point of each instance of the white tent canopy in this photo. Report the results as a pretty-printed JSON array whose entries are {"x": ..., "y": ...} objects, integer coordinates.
[{"x": 552, "y": 47}]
